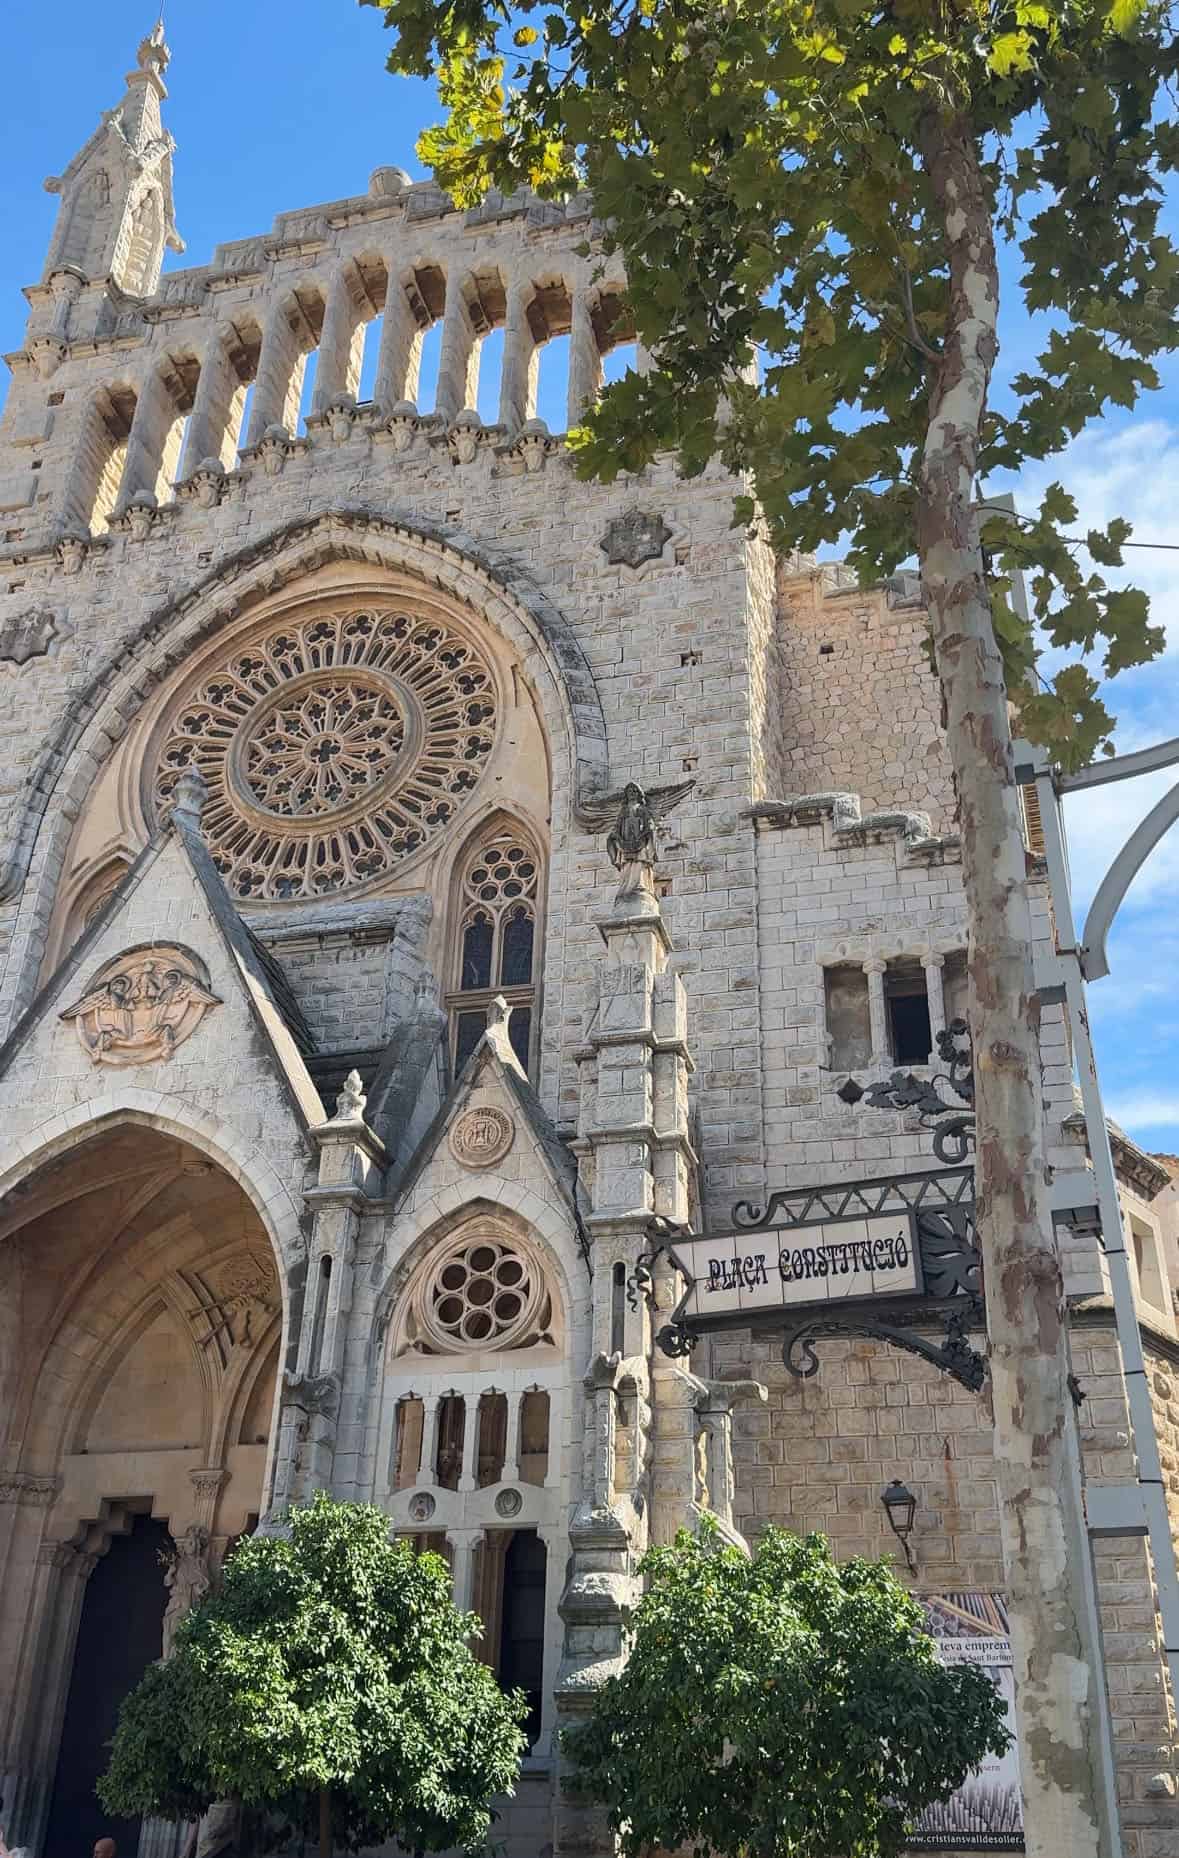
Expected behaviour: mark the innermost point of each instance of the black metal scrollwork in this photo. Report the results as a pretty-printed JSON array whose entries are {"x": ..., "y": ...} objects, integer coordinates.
[
  {"x": 953, "y": 1355},
  {"x": 952, "y": 1129},
  {"x": 676, "y": 1340},
  {"x": 641, "y": 1283}
]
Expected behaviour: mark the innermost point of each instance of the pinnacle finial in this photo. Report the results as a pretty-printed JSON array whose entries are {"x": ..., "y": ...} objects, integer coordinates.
[{"x": 153, "y": 53}]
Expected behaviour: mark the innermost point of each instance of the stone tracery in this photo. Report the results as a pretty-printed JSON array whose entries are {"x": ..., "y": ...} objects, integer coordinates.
[
  {"x": 485, "y": 1289},
  {"x": 334, "y": 747}
]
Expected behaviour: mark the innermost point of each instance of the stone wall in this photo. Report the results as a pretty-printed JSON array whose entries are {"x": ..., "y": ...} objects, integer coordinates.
[{"x": 860, "y": 702}]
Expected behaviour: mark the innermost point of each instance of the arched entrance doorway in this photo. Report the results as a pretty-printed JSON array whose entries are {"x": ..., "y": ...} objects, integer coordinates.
[{"x": 140, "y": 1329}]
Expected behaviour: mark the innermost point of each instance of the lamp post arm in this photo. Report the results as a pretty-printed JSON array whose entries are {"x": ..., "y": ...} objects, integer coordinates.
[{"x": 1117, "y": 881}]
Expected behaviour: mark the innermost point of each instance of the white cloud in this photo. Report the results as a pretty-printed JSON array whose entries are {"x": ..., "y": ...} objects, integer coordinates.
[
  {"x": 1099, "y": 820},
  {"x": 1145, "y": 1109}
]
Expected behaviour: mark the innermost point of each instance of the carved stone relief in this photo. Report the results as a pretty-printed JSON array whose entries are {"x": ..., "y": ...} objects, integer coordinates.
[
  {"x": 27, "y": 1487},
  {"x": 30, "y": 635},
  {"x": 187, "y": 1579},
  {"x": 482, "y": 1137},
  {"x": 141, "y": 1006},
  {"x": 636, "y": 537},
  {"x": 236, "y": 1300}
]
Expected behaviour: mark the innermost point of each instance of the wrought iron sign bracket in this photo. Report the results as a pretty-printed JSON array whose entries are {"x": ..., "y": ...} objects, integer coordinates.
[
  {"x": 937, "y": 1209},
  {"x": 953, "y": 1355}
]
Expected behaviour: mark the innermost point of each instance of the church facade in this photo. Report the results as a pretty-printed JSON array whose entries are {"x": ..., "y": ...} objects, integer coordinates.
[{"x": 431, "y": 887}]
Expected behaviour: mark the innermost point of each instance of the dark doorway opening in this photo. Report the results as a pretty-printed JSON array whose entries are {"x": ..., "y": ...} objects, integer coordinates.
[
  {"x": 521, "y": 1643},
  {"x": 119, "y": 1634}
]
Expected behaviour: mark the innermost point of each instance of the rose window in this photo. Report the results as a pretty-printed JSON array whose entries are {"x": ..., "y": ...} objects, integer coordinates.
[
  {"x": 333, "y": 749},
  {"x": 319, "y": 747},
  {"x": 484, "y": 1293}
]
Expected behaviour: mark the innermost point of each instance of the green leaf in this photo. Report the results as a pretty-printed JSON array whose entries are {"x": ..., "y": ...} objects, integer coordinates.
[{"x": 1011, "y": 51}]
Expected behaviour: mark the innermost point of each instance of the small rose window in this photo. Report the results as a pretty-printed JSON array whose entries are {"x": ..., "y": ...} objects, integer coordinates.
[{"x": 484, "y": 1293}]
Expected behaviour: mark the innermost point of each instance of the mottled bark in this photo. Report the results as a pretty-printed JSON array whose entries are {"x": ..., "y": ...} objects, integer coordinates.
[{"x": 1057, "y": 1667}]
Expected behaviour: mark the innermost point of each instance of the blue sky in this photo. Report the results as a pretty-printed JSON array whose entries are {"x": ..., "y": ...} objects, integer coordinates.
[{"x": 278, "y": 106}]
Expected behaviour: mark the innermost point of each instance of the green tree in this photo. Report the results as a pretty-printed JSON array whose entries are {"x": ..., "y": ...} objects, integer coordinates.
[
  {"x": 826, "y": 186},
  {"x": 329, "y": 1682},
  {"x": 783, "y": 1706}
]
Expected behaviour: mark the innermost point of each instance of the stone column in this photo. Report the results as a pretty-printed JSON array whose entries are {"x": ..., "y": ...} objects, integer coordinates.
[
  {"x": 585, "y": 363},
  {"x": 714, "y": 1405},
  {"x": 458, "y": 371},
  {"x": 428, "y": 1461},
  {"x": 155, "y": 414},
  {"x": 30, "y": 1760},
  {"x": 279, "y": 380},
  {"x": 351, "y": 1168},
  {"x": 511, "y": 1470},
  {"x": 463, "y": 1543},
  {"x": 399, "y": 343},
  {"x": 468, "y": 1475},
  {"x": 211, "y": 426},
  {"x": 516, "y": 395},
  {"x": 933, "y": 964},
  {"x": 877, "y": 1017},
  {"x": 28, "y": 1588},
  {"x": 341, "y": 344},
  {"x": 634, "y": 1125}
]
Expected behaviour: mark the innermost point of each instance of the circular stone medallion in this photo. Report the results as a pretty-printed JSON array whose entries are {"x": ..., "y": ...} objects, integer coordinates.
[
  {"x": 422, "y": 1507},
  {"x": 481, "y": 1137},
  {"x": 509, "y": 1503}
]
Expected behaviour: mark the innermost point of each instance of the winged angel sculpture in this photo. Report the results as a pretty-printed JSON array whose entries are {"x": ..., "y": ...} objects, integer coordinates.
[
  {"x": 632, "y": 815},
  {"x": 141, "y": 1007}
]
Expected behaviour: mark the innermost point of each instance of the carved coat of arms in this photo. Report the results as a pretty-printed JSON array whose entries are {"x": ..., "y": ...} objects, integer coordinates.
[
  {"x": 141, "y": 1006},
  {"x": 481, "y": 1137},
  {"x": 28, "y": 635},
  {"x": 638, "y": 536}
]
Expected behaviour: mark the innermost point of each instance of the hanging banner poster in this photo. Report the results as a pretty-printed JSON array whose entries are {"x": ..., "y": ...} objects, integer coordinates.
[{"x": 986, "y": 1813}]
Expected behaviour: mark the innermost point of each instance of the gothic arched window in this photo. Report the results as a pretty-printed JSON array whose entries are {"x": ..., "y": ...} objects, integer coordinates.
[{"x": 497, "y": 942}]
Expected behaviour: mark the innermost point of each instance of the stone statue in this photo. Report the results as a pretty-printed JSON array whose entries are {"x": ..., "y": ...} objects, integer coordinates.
[
  {"x": 633, "y": 816},
  {"x": 186, "y": 1578}
]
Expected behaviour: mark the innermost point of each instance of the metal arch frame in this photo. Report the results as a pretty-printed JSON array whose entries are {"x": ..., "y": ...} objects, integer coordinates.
[
  {"x": 1134, "y": 853},
  {"x": 1139, "y": 1508}
]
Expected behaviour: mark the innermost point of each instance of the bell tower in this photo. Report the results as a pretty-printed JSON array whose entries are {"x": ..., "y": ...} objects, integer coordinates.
[{"x": 116, "y": 214}]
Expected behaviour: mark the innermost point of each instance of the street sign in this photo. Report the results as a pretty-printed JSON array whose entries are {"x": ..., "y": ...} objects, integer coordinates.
[
  {"x": 822, "y": 1263},
  {"x": 883, "y": 1258}
]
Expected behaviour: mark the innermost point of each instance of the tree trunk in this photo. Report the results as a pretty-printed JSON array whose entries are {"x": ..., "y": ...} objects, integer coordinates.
[
  {"x": 325, "y": 1822},
  {"x": 1057, "y": 1664}
]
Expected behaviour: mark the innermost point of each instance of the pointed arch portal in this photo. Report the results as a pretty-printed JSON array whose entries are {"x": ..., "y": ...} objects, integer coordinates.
[{"x": 140, "y": 1332}]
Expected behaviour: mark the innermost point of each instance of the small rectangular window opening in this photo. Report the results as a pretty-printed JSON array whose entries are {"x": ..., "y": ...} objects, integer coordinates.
[{"x": 906, "y": 1002}]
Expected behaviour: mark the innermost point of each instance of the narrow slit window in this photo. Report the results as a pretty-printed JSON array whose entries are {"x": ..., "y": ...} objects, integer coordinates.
[
  {"x": 478, "y": 937},
  {"x": 516, "y": 961},
  {"x": 534, "y": 1436},
  {"x": 493, "y": 1438},
  {"x": 452, "y": 1413}
]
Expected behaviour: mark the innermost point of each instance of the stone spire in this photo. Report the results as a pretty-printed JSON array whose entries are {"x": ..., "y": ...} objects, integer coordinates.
[{"x": 116, "y": 215}]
